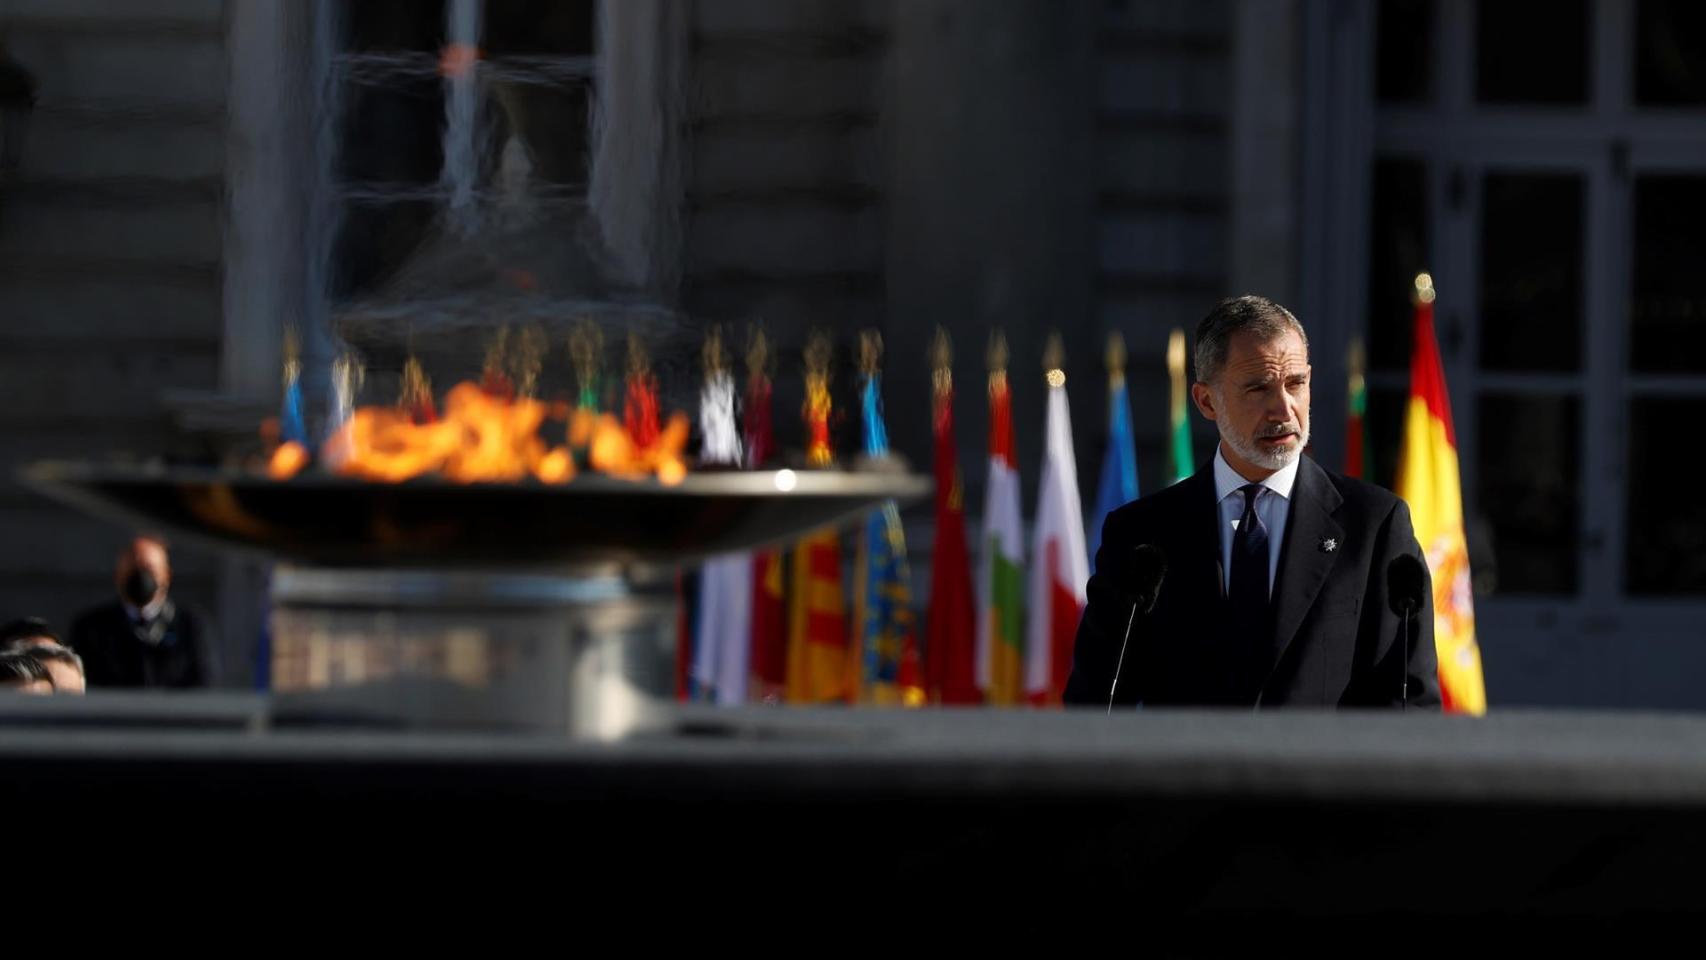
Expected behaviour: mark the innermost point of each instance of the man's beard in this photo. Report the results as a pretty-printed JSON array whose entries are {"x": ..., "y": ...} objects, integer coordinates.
[{"x": 1277, "y": 458}]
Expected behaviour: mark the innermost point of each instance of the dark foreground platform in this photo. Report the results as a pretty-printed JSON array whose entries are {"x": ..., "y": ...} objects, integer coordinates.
[{"x": 1037, "y": 825}]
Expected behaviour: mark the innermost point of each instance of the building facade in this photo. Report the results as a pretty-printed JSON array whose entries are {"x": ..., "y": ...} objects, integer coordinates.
[{"x": 202, "y": 174}]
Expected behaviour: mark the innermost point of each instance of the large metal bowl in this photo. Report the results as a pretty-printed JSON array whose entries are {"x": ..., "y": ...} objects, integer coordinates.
[{"x": 329, "y": 521}]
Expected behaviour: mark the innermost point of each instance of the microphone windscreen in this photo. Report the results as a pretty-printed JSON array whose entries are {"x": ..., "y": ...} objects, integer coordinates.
[
  {"x": 1148, "y": 568},
  {"x": 1405, "y": 579}
]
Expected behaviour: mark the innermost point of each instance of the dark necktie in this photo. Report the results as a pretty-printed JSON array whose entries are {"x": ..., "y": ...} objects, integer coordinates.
[{"x": 1248, "y": 594}]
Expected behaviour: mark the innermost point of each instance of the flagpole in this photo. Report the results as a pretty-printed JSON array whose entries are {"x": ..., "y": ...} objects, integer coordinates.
[
  {"x": 1357, "y": 452},
  {"x": 1180, "y": 447}
]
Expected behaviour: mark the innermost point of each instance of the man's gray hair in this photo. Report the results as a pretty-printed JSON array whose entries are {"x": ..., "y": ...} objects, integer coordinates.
[
  {"x": 19, "y": 669},
  {"x": 1259, "y": 316},
  {"x": 44, "y": 652}
]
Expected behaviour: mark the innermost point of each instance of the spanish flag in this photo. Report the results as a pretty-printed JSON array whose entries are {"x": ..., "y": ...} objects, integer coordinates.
[
  {"x": 819, "y": 662},
  {"x": 1428, "y": 480}
]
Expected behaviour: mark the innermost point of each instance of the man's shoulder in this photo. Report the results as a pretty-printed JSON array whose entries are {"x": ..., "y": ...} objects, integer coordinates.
[
  {"x": 1165, "y": 504},
  {"x": 1359, "y": 497}
]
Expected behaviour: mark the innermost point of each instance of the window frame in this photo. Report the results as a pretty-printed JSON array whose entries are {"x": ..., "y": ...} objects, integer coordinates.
[
  {"x": 460, "y": 101},
  {"x": 1624, "y": 648}
]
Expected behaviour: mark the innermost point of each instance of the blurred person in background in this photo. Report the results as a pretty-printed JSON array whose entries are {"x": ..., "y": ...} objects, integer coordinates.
[{"x": 143, "y": 638}]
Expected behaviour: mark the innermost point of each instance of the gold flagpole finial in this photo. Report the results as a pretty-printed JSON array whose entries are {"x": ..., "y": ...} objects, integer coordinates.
[
  {"x": 1116, "y": 357},
  {"x": 1355, "y": 363},
  {"x": 1176, "y": 354},
  {"x": 942, "y": 360},
  {"x": 817, "y": 354},
  {"x": 416, "y": 389},
  {"x": 870, "y": 351},
  {"x": 586, "y": 352},
  {"x": 1176, "y": 368},
  {"x": 585, "y": 343},
  {"x": 639, "y": 361},
  {"x": 497, "y": 351},
  {"x": 528, "y": 359},
  {"x": 1054, "y": 360},
  {"x": 1424, "y": 290},
  {"x": 712, "y": 353},
  {"x": 757, "y": 353},
  {"x": 292, "y": 353},
  {"x": 997, "y": 359}
]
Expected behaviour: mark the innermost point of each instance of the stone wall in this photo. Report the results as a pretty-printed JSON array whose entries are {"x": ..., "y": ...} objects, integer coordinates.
[{"x": 110, "y": 260}]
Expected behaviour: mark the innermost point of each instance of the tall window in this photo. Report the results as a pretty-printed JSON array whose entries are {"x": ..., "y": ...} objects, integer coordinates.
[
  {"x": 439, "y": 107},
  {"x": 1547, "y": 161}
]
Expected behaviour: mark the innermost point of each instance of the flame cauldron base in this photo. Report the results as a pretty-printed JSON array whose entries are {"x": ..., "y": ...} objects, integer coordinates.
[
  {"x": 591, "y": 654},
  {"x": 516, "y": 606}
]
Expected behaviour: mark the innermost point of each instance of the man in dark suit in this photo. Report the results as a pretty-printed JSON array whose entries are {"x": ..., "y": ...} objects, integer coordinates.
[
  {"x": 1275, "y": 591},
  {"x": 143, "y": 637}
]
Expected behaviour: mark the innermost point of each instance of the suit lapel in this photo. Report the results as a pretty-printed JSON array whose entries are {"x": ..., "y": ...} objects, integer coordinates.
[
  {"x": 1198, "y": 558},
  {"x": 1194, "y": 658},
  {"x": 1304, "y": 564}
]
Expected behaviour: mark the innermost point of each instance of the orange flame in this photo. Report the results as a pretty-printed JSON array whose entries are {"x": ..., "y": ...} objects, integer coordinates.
[
  {"x": 611, "y": 449},
  {"x": 482, "y": 438},
  {"x": 479, "y": 439},
  {"x": 287, "y": 461},
  {"x": 555, "y": 467}
]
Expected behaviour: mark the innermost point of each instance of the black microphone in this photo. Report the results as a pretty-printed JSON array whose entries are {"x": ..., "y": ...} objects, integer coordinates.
[
  {"x": 1148, "y": 567},
  {"x": 1405, "y": 578}
]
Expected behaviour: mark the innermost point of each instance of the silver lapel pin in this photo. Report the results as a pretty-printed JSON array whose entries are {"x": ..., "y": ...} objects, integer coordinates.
[{"x": 1329, "y": 544}]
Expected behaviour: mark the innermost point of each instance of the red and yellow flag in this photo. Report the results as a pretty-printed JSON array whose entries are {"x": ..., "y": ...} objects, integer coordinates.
[
  {"x": 821, "y": 667},
  {"x": 1429, "y": 481},
  {"x": 819, "y": 662}
]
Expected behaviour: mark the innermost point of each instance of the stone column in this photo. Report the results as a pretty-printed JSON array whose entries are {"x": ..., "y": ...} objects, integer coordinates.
[{"x": 991, "y": 188}]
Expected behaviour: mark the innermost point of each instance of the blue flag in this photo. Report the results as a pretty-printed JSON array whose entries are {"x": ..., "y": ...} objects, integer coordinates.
[
  {"x": 292, "y": 428},
  {"x": 883, "y": 612},
  {"x": 1119, "y": 466}
]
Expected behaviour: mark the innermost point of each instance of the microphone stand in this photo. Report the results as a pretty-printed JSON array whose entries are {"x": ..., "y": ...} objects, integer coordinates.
[
  {"x": 1121, "y": 662},
  {"x": 1404, "y": 664}
]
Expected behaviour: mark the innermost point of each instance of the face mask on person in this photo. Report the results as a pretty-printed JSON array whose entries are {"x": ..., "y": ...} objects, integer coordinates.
[{"x": 140, "y": 588}]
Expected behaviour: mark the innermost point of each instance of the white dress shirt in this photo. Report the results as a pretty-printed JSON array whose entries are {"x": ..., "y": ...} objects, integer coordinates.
[{"x": 1273, "y": 505}]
